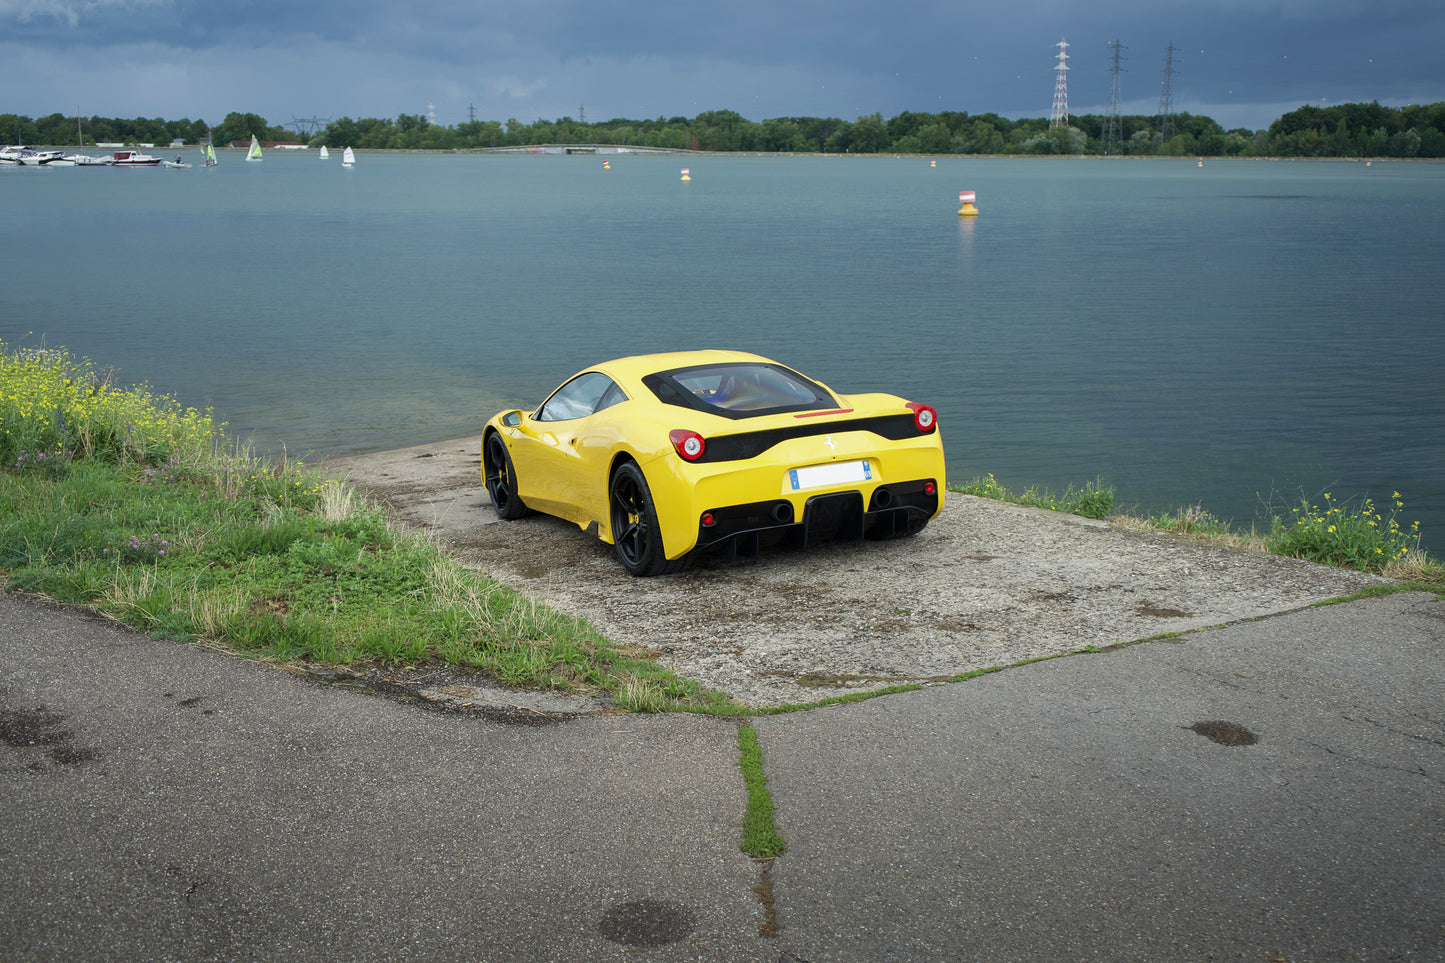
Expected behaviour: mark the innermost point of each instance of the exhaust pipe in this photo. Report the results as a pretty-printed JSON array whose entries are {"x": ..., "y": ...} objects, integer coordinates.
[
  {"x": 882, "y": 498},
  {"x": 782, "y": 512}
]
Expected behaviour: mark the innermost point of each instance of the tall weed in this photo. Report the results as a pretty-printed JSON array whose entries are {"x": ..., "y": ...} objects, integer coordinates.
[{"x": 1339, "y": 533}]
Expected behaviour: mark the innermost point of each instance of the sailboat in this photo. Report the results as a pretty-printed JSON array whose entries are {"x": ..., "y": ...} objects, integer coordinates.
[
  {"x": 210, "y": 154},
  {"x": 347, "y": 158},
  {"x": 324, "y": 153},
  {"x": 254, "y": 154}
]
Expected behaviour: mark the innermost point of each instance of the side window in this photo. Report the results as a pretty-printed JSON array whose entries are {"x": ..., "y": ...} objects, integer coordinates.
[
  {"x": 611, "y": 397},
  {"x": 580, "y": 397}
]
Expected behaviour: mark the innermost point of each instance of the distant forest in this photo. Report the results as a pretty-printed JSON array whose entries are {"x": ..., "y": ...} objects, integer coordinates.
[{"x": 1344, "y": 130}]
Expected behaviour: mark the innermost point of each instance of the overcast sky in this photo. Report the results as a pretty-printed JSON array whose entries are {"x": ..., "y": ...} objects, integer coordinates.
[{"x": 1242, "y": 62}]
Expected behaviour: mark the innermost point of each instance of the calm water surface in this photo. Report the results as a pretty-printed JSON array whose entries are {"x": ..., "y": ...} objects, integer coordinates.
[{"x": 1220, "y": 335}]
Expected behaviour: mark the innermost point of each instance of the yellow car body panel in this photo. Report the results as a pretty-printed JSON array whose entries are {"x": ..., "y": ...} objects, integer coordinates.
[{"x": 563, "y": 466}]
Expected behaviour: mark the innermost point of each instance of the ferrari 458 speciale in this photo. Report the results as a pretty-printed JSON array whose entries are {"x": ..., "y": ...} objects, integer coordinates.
[{"x": 673, "y": 454}]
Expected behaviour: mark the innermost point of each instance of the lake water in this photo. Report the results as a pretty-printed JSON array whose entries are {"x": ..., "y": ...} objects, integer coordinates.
[{"x": 1223, "y": 335}]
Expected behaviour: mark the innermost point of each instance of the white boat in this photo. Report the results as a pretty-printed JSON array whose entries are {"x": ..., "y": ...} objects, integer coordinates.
[
  {"x": 324, "y": 155},
  {"x": 30, "y": 157},
  {"x": 133, "y": 158},
  {"x": 210, "y": 155},
  {"x": 81, "y": 160},
  {"x": 347, "y": 158},
  {"x": 254, "y": 154},
  {"x": 176, "y": 164},
  {"x": 11, "y": 155}
]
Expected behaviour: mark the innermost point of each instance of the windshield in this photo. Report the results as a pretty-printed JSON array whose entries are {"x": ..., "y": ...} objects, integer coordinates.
[{"x": 739, "y": 389}]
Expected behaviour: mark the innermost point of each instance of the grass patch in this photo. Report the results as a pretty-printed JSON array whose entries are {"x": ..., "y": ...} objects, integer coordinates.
[
  {"x": 1380, "y": 591},
  {"x": 121, "y": 500},
  {"x": 1094, "y": 500},
  {"x": 760, "y": 836},
  {"x": 1191, "y": 520}
]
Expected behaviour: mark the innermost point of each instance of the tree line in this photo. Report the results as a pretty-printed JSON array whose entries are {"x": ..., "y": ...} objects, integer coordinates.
[{"x": 1344, "y": 130}]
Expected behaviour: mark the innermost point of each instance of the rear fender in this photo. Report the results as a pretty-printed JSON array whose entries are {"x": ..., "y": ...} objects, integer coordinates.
[{"x": 671, "y": 488}]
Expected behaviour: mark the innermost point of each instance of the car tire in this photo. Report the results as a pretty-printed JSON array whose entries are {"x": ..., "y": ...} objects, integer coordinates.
[
  {"x": 501, "y": 478},
  {"x": 635, "y": 532}
]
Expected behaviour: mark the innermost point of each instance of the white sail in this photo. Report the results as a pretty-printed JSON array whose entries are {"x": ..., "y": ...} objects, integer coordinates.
[
  {"x": 324, "y": 154},
  {"x": 347, "y": 158},
  {"x": 255, "y": 152}
]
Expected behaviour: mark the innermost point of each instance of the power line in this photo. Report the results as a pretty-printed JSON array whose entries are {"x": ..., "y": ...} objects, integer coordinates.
[{"x": 307, "y": 126}]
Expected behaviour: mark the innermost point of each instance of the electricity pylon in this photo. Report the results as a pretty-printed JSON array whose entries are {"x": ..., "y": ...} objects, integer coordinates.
[
  {"x": 1059, "y": 116},
  {"x": 1166, "y": 95},
  {"x": 1113, "y": 134}
]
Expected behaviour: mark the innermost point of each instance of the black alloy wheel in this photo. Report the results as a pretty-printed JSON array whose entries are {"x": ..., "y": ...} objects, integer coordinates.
[
  {"x": 635, "y": 531},
  {"x": 501, "y": 478}
]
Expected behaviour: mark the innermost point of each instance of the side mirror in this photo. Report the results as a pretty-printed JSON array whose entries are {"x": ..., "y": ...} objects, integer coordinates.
[{"x": 512, "y": 419}]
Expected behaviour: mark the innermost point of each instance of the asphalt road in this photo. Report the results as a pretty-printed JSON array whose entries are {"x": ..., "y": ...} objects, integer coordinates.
[{"x": 168, "y": 802}]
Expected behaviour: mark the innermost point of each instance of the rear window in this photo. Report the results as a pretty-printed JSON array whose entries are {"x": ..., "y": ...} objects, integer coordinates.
[{"x": 739, "y": 389}]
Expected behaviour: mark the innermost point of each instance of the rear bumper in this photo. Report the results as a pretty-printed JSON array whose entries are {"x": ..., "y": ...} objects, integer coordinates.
[
  {"x": 892, "y": 510},
  {"x": 759, "y": 496}
]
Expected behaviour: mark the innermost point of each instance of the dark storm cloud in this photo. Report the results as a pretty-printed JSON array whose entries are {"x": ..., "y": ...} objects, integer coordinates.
[{"x": 1243, "y": 61}]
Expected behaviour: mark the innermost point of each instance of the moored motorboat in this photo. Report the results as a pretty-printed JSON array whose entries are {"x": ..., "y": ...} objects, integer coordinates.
[
  {"x": 10, "y": 155},
  {"x": 133, "y": 158},
  {"x": 30, "y": 157},
  {"x": 79, "y": 160}
]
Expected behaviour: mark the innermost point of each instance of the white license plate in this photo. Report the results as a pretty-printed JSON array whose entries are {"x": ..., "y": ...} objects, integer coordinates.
[{"x": 834, "y": 473}]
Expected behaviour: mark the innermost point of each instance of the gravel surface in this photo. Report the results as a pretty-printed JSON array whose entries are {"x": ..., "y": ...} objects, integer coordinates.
[{"x": 986, "y": 584}]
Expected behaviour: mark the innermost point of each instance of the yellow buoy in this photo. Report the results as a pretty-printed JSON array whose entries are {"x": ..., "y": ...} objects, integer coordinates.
[
  {"x": 933, "y": 163},
  {"x": 685, "y": 175},
  {"x": 966, "y": 208}
]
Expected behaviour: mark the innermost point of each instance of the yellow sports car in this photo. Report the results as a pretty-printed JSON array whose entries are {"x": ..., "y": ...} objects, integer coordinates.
[{"x": 672, "y": 454}]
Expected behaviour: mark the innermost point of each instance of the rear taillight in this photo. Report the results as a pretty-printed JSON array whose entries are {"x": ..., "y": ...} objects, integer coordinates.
[
  {"x": 689, "y": 444},
  {"x": 923, "y": 416}
]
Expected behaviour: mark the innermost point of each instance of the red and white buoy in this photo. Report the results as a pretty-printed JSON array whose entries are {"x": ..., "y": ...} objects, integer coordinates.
[
  {"x": 965, "y": 204},
  {"x": 686, "y": 175}
]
